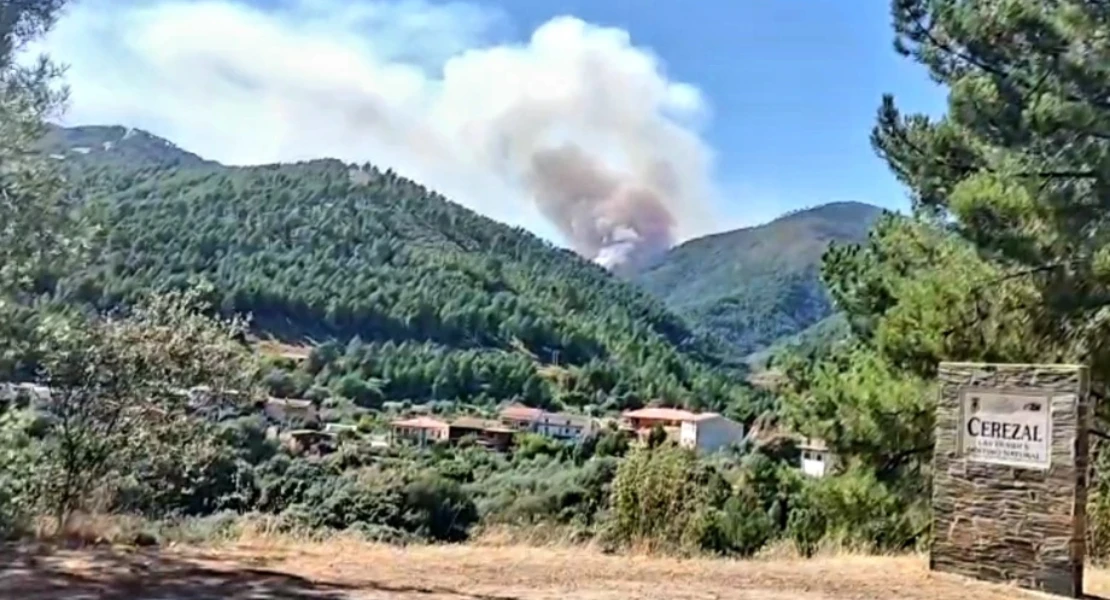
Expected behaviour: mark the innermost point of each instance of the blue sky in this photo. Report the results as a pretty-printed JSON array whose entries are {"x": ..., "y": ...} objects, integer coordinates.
[
  {"x": 781, "y": 93},
  {"x": 794, "y": 85}
]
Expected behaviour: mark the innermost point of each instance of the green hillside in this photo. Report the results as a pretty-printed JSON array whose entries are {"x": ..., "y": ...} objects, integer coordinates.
[
  {"x": 757, "y": 285},
  {"x": 410, "y": 296}
]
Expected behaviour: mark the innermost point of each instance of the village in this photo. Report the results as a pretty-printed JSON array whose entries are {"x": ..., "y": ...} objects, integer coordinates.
[
  {"x": 298, "y": 425},
  {"x": 706, "y": 433}
]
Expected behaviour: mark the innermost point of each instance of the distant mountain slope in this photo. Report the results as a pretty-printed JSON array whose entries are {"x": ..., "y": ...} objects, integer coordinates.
[
  {"x": 756, "y": 285},
  {"x": 423, "y": 298},
  {"x": 104, "y": 145}
]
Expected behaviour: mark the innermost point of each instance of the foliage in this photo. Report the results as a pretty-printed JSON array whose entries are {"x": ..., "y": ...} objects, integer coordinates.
[
  {"x": 392, "y": 503},
  {"x": 404, "y": 295},
  {"x": 18, "y": 455},
  {"x": 663, "y": 498},
  {"x": 119, "y": 395},
  {"x": 857, "y": 511},
  {"x": 34, "y": 215},
  {"x": 757, "y": 285},
  {"x": 1001, "y": 260},
  {"x": 862, "y": 408},
  {"x": 1018, "y": 165},
  {"x": 1098, "y": 505}
]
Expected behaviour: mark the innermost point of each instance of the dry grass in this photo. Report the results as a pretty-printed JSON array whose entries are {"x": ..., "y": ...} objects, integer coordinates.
[
  {"x": 272, "y": 347},
  {"x": 260, "y": 564}
]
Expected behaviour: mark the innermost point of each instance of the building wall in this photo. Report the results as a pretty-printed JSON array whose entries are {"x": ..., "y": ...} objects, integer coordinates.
[
  {"x": 815, "y": 464},
  {"x": 561, "y": 428},
  {"x": 717, "y": 433},
  {"x": 688, "y": 435},
  {"x": 552, "y": 425},
  {"x": 419, "y": 435}
]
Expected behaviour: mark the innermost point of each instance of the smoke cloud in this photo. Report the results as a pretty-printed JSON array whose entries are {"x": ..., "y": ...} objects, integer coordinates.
[{"x": 576, "y": 124}]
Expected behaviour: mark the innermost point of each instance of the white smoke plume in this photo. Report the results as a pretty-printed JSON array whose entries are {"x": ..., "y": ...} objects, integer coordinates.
[{"x": 576, "y": 124}]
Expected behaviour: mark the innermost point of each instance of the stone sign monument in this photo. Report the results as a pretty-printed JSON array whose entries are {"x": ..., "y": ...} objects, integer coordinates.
[{"x": 1009, "y": 474}]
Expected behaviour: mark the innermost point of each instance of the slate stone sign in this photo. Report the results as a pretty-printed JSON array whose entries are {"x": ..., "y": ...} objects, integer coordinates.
[
  {"x": 1009, "y": 474},
  {"x": 1006, "y": 428}
]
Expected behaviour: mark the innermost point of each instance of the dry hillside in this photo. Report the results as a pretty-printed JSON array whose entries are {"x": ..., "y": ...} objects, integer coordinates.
[{"x": 351, "y": 570}]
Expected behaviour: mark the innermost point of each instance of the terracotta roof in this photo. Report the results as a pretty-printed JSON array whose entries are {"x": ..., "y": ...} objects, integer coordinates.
[
  {"x": 421, "y": 423},
  {"x": 662, "y": 414},
  {"x": 521, "y": 412},
  {"x": 474, "y": 423}
]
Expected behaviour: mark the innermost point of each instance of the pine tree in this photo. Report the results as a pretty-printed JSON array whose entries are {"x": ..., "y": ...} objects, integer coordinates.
[
  {"x": 1020, "y": 164},
  {"x": 32, "y": 207}
]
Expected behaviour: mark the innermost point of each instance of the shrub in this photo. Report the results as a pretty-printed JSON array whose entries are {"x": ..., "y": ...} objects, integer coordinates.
[
  {"x": 438, "y": 509},
  {"x": 17, "y": 457},
  {"x": 664, "y": 498},
  {"x": 740, "y": 527},
  {"x": 857, "y": 511}
]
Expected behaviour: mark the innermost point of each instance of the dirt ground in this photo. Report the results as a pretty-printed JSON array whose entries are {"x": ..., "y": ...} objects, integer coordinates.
[{"x": 358, "y": 571}]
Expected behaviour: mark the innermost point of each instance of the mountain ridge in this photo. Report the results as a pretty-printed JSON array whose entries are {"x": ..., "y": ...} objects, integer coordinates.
[
  {"x": 757, "y": 285},
  {"x": 414, "y": 297}
]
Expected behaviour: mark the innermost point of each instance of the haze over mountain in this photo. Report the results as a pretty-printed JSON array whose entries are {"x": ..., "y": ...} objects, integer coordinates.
[
  {"x": 575, "y": 124},
  {"x": 757, "y": 285}
]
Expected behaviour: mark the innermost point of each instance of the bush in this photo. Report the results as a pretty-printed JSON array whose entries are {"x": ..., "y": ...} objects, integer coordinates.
[
  {"x": 1098, "y": 505},
  {"x": 740, "y": 527},
  {"x": 438, "y": 509},
  {"x": 664, "y": 498},
  {"x": 856, "y": 511},
  {"x": 531, "y": 445},
  {"x": 383, "y": 502},
  {"x": 17, "y": 458}
]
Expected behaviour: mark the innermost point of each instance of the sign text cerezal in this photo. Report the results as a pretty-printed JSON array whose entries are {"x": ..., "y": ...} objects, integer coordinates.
[{"x": 1002, "y": 428}]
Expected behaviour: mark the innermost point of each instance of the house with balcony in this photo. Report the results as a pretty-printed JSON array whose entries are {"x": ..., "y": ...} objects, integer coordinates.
[
  {"x": 704, "y": 432},
  {"x": 420, "y": 431},
  {"x": 490, "y": 434},
  {"x": 521, "y": 418},
  {"x": 562, "y": 426},
  {"x": 423, "y": 430}
]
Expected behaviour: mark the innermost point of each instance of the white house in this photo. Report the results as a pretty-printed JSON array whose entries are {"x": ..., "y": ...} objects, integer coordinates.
[
  {"x": 705, "y": 432},
  {"x": 710, "y": 432},
  {"x": 817, "y": 459},
  {"x": 562, "y": 426}
]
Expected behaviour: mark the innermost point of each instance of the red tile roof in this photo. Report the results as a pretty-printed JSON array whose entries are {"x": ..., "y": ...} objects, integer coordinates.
[
  {"x": 661, "y": 414},
  {"x": 482, "y": 424},
  {"x": 521, "y": 413},
  {"x": 421, "y": 423}
]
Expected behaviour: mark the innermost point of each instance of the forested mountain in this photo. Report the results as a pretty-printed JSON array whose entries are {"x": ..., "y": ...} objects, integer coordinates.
[
  {"x": 412, "y": 297},
  {"x": 115, "y": 145},
  {"x": 758, "y": 285}
]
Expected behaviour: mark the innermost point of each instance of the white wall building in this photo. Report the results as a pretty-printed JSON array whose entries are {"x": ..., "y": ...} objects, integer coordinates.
[
  {"x": 817, "y": 460},
  {"x": 710, "y": 432},
  {"x": 562, "y": 426},
  {"x": 704, "y": 432}
]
